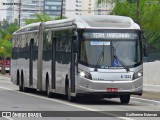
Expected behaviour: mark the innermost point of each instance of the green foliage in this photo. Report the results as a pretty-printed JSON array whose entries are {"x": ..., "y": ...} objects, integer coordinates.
[
  {"x": 42, "y": 17},
  {"x": 58, "y": 18},
  {"x": 12, "y": 28},
  {"x": 6, "y": 31},
  {"x": 132, "y": 1},
  {"x": 105, "y": 1},
  {"x": 4, "y": 24},
  {"x": 148, "y": 19},
  {"x": 39, "y": 17},
  {"x": 5, "y": 48}
]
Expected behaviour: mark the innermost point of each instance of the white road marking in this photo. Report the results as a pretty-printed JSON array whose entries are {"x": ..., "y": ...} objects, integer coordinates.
[
  {"x": 2, "y": 77},
  {"x": 8, "y": 118},
  {"x": 151, "y": 90},
  {"x": 146, "y": 100},
  {"x": 69, "y": 104}
]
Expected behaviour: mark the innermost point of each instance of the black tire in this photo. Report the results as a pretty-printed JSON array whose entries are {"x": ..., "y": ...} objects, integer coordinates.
[
  {"x": 69, "y": 97},
  {"x": 18, "y": 82},
  {"x": 24, "y": 89},
  {"x": 20, "y": 88},
  {"x": 49, "y": 94},
  {"x": 125, "y": 99}
]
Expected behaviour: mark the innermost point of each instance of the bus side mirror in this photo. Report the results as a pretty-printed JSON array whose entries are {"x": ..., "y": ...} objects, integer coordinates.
[
  {"x": 75, "y": 44},
  {"x": 145, "y": 50}
]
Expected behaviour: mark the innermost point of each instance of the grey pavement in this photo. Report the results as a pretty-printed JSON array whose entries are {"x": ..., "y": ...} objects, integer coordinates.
[{"x": 151, "y": 88}]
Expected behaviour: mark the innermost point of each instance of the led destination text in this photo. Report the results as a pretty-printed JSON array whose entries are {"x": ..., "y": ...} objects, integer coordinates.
[{"x": 111, "y": 35}]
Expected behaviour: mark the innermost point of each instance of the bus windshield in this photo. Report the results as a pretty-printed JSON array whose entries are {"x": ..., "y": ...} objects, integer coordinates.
[{"x": 100, "y": 53}]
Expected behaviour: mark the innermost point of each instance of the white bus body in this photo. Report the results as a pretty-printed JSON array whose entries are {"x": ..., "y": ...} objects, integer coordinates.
[{"x": 98, "y": 56}]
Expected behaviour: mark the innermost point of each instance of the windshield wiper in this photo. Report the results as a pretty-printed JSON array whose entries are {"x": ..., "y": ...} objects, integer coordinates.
[
  {"x": 99, "y": 58},
  {"x": 116, "y": 57}
]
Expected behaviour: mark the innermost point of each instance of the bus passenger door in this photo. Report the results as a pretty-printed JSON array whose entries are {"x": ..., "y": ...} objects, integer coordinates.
[
  {"x": 53, "y": 71},
  {"x": 31, "y": 63},
  {"x": 73, "y": 62}
]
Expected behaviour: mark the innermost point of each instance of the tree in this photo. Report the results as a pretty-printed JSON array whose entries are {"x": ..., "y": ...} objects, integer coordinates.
[
  {"x": 16, "y": 22},
  {"x": 5, "y": 24},
  {"x": 39, "y": 17},
  {"x": 148, "y": 19},
  {"x": 6, "y": 31},
  {"x": 106, "y": 1},
  {"x": 5, "y": 51},
  {"x": 5, "y": 48},
  {"x": 42, "y": 17}
]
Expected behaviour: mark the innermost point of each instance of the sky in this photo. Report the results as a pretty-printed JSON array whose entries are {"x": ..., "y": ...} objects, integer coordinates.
[{"x": 2, "y": 12}]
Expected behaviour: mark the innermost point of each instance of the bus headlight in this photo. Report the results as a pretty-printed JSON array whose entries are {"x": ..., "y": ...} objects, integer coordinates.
[
  {"x": 84, "y": 74},
  {"x": 138, "y": 75}
]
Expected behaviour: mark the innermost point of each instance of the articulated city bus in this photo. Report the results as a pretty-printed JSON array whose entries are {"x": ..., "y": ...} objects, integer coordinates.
[{"x": 92, "y": 56}]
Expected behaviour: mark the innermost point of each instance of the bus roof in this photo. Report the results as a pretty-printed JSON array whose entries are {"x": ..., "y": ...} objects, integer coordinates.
[
  {"x": 98, "y": 21},
  {"x": 106, "y": 21},
  {"x": 91, "y": 22}
]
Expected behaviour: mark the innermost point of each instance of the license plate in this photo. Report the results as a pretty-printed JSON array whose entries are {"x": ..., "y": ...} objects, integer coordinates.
[{"x": 112, "y": 89}]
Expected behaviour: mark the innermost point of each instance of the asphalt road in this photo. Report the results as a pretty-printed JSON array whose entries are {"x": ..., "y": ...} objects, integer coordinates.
[{"x": 11, "y": 99}]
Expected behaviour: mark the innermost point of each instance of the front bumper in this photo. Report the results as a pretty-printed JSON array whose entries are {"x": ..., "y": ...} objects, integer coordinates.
[{"x": 99, "y": 88}]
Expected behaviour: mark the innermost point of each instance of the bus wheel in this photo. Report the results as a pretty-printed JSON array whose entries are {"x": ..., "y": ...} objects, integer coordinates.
[
  {"x": 24, "y": 89},
  {"x": 125, "y": 99},
  {"x": 49, "y": 94},
  {"x": 20, "y": 88},
  {"x": 18, "y": 82},
  {"x": 69, "y": 97}
]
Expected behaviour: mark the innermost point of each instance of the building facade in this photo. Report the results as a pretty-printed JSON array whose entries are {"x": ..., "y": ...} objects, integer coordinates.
[
  {"x": 29, "y": 8},
  {"x": 3, "y": 9},
  {"x": 53, "y": 7},
  {"x": 25, "y": 9},
  {"x": 73, "y": 7},
  {"x": 12, "y": 10},
  {"x": 86, "y": 7},
  {"x": 103, "y": 8}
]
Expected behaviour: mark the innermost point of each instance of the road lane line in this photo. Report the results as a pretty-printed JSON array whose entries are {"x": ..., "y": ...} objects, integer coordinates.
[
  {"x": 8, "y": 118},
  {"x": 69, "y": 104},
  {"x": 151, "y": 90},
  {"x": 146, "y": 100}
]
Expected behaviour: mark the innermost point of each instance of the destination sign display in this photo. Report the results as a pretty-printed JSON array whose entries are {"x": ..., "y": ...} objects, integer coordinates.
[
  {"x": 99, "y": 43},
  {"x": 110, "y": 35}
]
